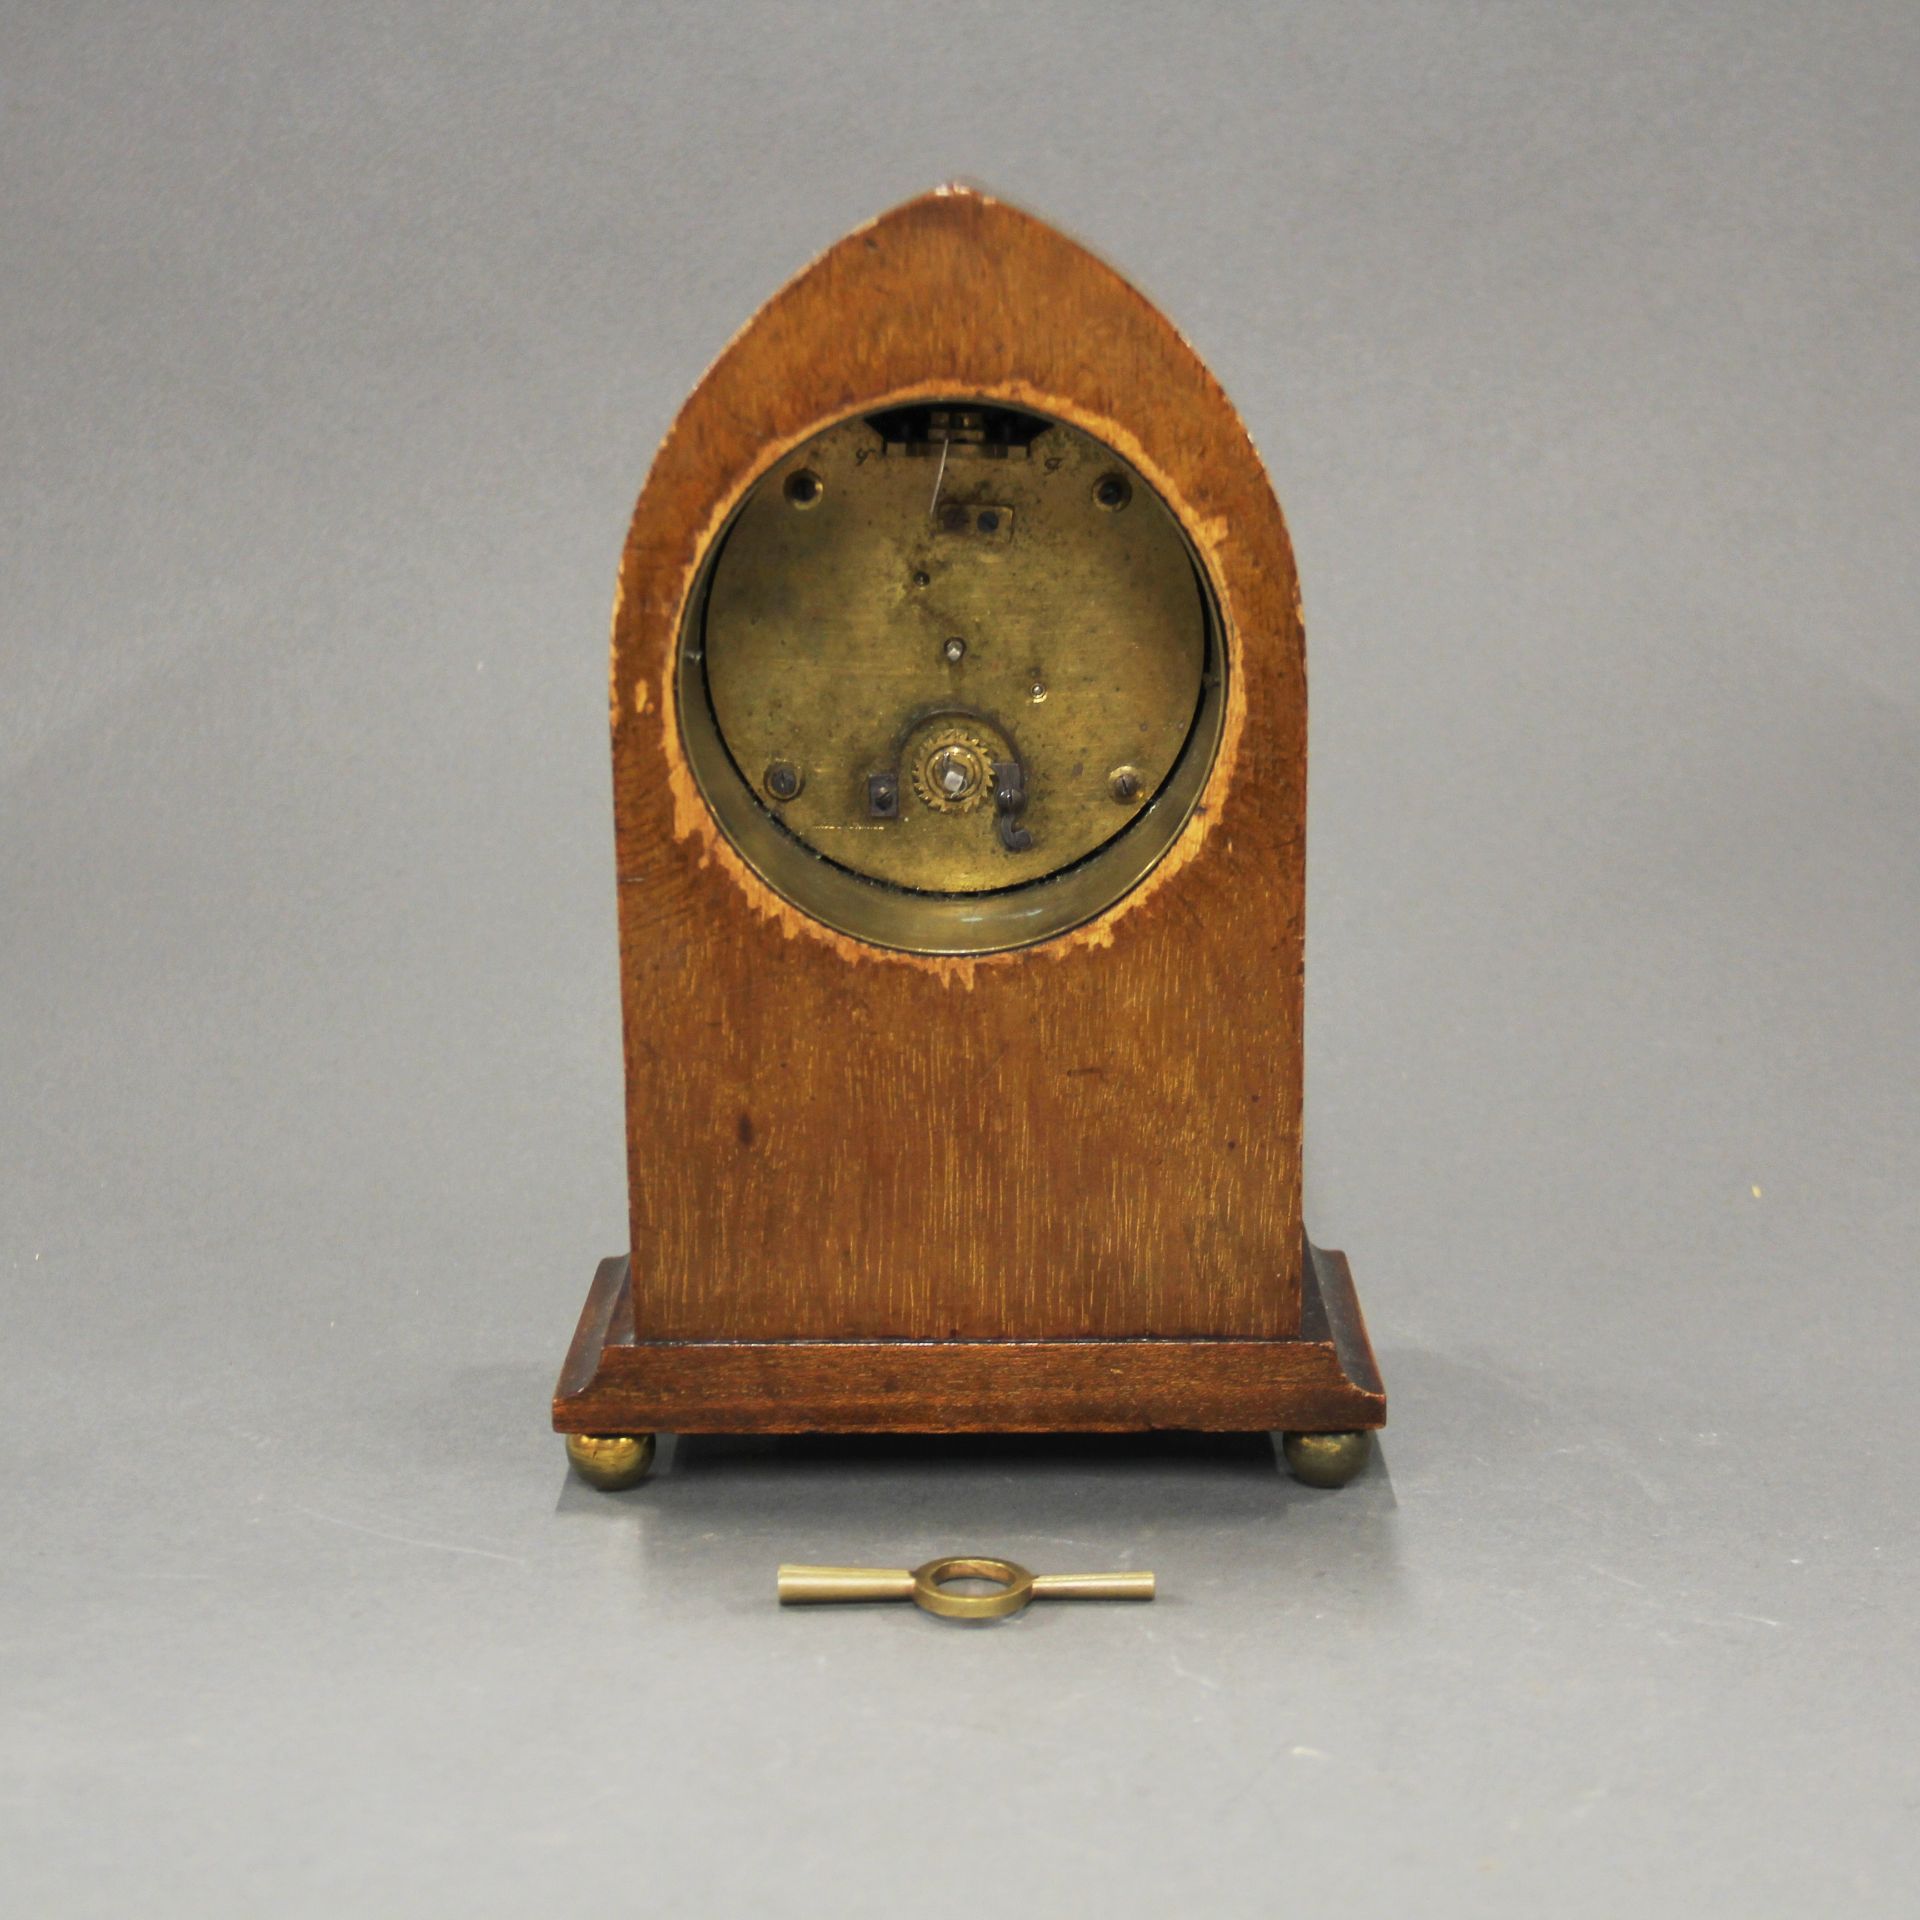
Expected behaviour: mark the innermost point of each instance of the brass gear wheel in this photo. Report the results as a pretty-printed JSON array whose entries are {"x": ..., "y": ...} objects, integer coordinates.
[{"x": 953, "y": 771}]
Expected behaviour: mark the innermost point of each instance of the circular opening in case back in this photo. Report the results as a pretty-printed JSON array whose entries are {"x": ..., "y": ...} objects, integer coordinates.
[{"x": 951, "y": 679}]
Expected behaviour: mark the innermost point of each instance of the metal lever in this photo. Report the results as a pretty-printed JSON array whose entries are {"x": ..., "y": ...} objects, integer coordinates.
[
  {"x": 1009, "y": 798},
  {"x": 925, "y": 1586}
]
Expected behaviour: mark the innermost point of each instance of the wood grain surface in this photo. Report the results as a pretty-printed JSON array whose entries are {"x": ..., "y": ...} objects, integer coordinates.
[
  {"x": 1323, "y": 1381},
  {"x": 1097, "y": 1138}
]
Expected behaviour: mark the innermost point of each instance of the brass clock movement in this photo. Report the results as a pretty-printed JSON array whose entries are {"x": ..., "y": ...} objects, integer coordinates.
[{"x": 959, "y": 740}]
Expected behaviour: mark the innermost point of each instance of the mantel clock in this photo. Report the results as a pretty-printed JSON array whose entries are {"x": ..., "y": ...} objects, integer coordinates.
[{"x": 959, "y": 747}]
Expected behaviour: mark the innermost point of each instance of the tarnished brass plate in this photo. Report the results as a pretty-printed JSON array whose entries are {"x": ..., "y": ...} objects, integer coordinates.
[
  {"x": 831, "y": 620},
  {"x": 906, "y": 605}
]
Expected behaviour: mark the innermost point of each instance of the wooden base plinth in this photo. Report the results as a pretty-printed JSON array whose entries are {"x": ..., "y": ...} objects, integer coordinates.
[{"x": 1324, "y": 1381}]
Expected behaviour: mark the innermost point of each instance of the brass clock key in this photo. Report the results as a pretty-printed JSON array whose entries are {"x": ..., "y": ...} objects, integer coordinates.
[{"x": 927, "y": 1586}]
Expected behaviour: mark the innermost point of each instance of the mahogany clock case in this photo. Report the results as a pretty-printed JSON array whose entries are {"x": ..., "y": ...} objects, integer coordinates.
[{"x": 1047, "y": 1187}]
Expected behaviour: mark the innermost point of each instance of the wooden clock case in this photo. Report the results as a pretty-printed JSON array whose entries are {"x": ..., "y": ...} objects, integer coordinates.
[{"x": 1051, "y": 1188}]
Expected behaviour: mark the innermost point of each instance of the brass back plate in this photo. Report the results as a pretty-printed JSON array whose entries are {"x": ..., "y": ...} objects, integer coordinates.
[{"x": 902, "y": 606}]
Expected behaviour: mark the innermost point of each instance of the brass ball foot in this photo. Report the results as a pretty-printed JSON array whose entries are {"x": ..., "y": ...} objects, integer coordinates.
[
  {"x": 1326, "y": 1459},
  {"x": 611, "y": 1461}
]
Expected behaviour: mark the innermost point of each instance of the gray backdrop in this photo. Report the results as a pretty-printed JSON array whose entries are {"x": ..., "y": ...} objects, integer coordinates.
[{"x": 1582, "y": 345}]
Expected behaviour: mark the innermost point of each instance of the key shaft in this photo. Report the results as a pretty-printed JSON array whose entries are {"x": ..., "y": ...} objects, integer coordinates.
[
  {"x": 1093, "y": 1586},
  {"x": 806, "y": 1586}
]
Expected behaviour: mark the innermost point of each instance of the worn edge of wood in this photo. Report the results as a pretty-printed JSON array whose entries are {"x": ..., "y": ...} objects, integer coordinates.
[
  {"x": 1328, "y": 1278},
  {"x": 613, "y": 1383}
]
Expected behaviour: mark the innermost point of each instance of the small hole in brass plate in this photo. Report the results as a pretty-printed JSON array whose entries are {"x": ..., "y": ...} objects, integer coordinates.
[
  {"x": 1113, "y": 491},
  {"x": 804, "y": 488}
]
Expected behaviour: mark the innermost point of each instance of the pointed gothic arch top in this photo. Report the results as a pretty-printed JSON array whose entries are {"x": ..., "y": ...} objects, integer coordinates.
[{"x": 958, "y": 292}]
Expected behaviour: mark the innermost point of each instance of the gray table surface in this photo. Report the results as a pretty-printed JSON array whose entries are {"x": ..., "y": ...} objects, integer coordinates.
[{"x": 1582, "y": 344}]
